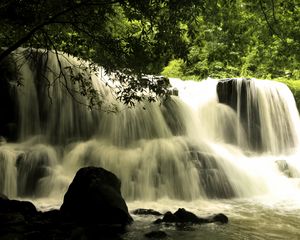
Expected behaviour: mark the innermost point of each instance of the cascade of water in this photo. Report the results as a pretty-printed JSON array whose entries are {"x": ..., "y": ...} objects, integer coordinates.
[
  {"x": 206, "y": 143},
  {"x": 8, "y": 171},
  {"x": 50, "y": 102},
  {"x": 266, "y": 112}
]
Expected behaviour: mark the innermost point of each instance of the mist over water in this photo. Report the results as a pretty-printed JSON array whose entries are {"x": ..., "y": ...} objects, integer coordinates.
[{"x": 219, "y": 145}]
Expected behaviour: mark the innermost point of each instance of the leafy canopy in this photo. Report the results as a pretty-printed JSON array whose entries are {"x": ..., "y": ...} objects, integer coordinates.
[
  {"x": 200, "y": 38},
  {"x": 130, "y": 36},
  {"x": 230, "y": 38}
]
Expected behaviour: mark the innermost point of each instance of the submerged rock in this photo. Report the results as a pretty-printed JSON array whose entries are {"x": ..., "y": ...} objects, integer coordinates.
[
  {"x": 156, "y": 235},
  {"x": 183, "y": 216},
  {"x": 94, "y": 196}
]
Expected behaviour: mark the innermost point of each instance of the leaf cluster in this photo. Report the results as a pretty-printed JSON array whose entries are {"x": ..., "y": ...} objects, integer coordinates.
[
  {"x": 232, "y": 38},
  {"x": 131, "y": 37}
]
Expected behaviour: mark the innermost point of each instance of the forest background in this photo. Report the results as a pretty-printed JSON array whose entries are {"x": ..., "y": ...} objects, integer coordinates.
[{"x": 176, "y": 38}]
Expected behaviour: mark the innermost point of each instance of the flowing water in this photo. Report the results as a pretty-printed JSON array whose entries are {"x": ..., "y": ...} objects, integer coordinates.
[{"x": 219, "y": 146}]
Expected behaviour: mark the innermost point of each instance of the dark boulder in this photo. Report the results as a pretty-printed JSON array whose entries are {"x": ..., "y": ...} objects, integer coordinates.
[
  {"x": 168, "y": 218},
  {"x": 3, "y": 197},
  {"x": 142, "y": 211},
  {"x": 94, "y": 196},
  {"x": 93, "y": 207},
  {"x": 14, "y": 217},
  {"x": 186, "y": 216},
  {"x": 219, "y": 218},
  {"x": 25, "y": 208},
  {"x": 181, "y": 216}
]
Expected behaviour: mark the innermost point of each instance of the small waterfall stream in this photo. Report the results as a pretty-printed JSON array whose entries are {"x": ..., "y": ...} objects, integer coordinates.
[{"x": 233, "y": 138}]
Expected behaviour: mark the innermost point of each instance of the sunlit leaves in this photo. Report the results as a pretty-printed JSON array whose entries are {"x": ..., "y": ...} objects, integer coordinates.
[{"x": 257, "y": 38}]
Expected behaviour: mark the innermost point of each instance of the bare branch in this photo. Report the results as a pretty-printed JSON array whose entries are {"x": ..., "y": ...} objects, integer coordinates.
[
  {"x": 273, "y": 11},
  {"x": 267, "y": 20}
]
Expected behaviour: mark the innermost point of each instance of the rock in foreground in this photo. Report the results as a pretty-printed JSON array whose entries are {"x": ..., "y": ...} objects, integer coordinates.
[
  {"x": 94, "y": 196},
  {"x": 93, "y": 208}
]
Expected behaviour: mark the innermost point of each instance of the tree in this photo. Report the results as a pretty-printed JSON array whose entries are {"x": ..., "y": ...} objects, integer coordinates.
[
  {"x": 232, "y": 38},
  {"x": 132, "y": 37}
]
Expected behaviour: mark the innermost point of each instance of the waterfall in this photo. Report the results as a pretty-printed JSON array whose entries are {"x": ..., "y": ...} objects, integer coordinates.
[
  {"x": 216, "y": 139},
  {"x": 266, "y": 111}
]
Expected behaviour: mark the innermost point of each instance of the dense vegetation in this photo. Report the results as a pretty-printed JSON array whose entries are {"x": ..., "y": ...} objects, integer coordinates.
[
  {"x": 258, "y": 38},
  {"x": 130, "y": 36},
  {"x": 178, "y": 38}
]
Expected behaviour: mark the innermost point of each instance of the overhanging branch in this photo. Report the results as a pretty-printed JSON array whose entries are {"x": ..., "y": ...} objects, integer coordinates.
[{"x": 49, "y": 21}]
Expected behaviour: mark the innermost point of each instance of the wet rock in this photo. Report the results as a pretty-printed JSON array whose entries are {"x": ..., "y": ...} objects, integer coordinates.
[
  {"x": 186, "y": 216},
  {"x": 182, "y": 216},
  {"x": 93, "y": 190},
  {"x": 27, "y": 209},
  {"x": 170, "y": 218},
  {"x": 156, "y": 234},
  {"x": 94, "y": 196},
  {"x": 3, "y": 197},
  {"x": 142, "y": 211},
  {"x": 213, "y": 179},
  {"x": 219, "y": 218},
  {"x": 174, "y": 117},
  {"x": 15, "y": 217}
]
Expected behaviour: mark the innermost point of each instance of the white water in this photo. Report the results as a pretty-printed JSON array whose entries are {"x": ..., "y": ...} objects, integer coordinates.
[{"x": 180, "y": 153}]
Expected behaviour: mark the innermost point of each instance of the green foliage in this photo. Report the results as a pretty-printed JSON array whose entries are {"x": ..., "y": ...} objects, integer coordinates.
[
  {"x": 191, "y": 39},
  {"x": 128, "y": 36},
  {"x": 257, "y": 38},
  {"x": 174, "y": 68}
]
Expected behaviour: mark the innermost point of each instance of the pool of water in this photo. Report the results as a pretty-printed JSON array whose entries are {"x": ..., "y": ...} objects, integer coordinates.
[{"x": 259, "y": 218}]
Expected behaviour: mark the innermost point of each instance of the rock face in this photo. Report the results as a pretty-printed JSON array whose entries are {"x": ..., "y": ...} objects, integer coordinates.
[
  {"x": 15, "y": 217},
  {"x": 8, "y": 103},
  {"x": 95, "y": 196},
  {"x": 213, "y": 178},
  {"x": 237, "y": 95}
]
